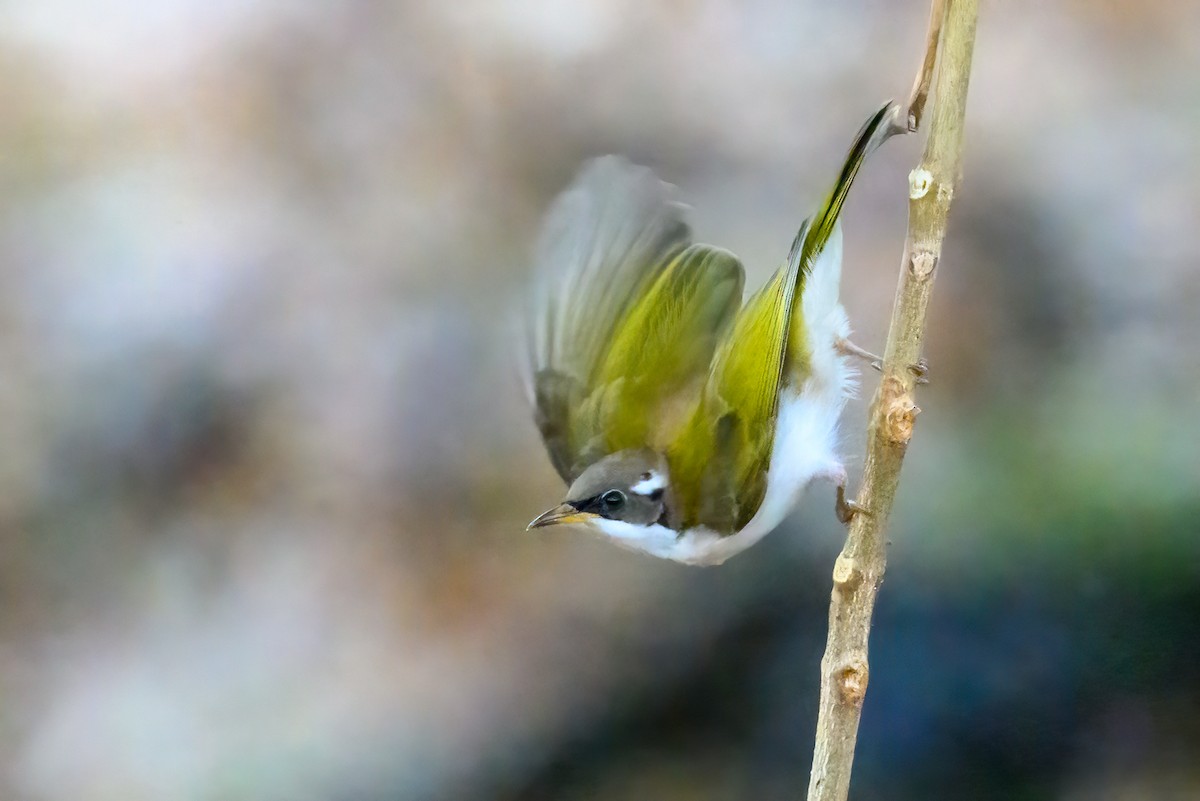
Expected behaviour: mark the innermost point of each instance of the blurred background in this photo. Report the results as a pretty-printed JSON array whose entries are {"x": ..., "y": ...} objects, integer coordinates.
[{"x": 265, "y": 463}]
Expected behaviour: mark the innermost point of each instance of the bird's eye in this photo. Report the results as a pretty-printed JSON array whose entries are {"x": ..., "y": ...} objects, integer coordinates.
[{"x": 613, "y": 500}]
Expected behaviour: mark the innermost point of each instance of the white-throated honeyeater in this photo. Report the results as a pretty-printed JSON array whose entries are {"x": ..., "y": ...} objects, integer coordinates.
[{"x": 685, "y": 422}]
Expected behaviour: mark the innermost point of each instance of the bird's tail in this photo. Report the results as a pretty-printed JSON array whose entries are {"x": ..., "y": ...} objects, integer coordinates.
[{"x": 815, "y": 232}]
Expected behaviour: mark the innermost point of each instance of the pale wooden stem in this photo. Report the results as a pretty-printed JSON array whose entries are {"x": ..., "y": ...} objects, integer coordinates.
[
  {"x": 920, "y": 89},
  {"x": 859, "y": 570}
]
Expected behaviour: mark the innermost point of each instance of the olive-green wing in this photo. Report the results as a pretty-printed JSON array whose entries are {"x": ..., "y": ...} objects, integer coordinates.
[
  {"x": 724, "y": 451},
  {"x": 625, "y": 315},
  {"x": 658, "y": 360},
  {"x": 719, "y": 459}
]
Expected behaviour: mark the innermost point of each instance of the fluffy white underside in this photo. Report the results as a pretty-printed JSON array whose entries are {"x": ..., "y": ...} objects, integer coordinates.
[{"x": 805, "y": 433}]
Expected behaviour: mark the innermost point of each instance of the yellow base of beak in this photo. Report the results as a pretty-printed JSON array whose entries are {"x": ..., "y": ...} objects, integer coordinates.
[{"x": 560, "y": 515}]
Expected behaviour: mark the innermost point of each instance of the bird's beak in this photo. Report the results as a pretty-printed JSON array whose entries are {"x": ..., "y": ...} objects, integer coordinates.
[{"x": 560, "y": 515}]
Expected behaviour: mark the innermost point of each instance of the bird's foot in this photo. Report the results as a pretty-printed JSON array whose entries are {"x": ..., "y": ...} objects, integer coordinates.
[
  {"x": 920, "y": 370},
  {"x": 847, "y": 348},
  {"x": 845, "y": 508}
]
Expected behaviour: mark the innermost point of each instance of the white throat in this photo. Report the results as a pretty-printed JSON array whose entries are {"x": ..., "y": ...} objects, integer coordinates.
[{"x": 805, "y": 437}]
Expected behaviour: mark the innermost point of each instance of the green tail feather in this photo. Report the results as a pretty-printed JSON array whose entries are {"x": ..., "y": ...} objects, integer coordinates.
[
  {"x": 720, "y": 458},
  {"x": 815, "y": 232}
]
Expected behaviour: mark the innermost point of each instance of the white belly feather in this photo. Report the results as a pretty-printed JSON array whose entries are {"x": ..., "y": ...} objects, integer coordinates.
[{"x": 805, "y": 432}]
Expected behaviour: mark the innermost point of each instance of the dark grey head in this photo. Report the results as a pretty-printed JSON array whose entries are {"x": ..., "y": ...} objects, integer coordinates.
[{"x": 630, "y": 486}]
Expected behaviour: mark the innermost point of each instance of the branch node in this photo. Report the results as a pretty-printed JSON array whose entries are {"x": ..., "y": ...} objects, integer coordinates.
[
  {"x": 899, "y": 411},
  {"x": 920, "y": 181},
  {"x": 851, "y": 680},
  {"x": 922, "y": 264},
  {"x": 847, "y": 575}
]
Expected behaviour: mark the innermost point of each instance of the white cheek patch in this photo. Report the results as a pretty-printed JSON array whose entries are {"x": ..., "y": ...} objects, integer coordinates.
[{"x": 648, "y": 486}]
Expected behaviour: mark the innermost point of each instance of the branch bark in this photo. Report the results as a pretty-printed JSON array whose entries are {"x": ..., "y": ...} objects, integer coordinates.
[
  {"x": 859, "y": 569},
  {"x": 920, "y": 90}
]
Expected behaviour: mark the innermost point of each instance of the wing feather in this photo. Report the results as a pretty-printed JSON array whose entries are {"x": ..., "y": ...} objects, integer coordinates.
[
  {"x": 625, "y": 315},
  {"x": 662, "y": 350},
  {"x": 628, "y": 323},
  {"x": 766, "y": 342}
]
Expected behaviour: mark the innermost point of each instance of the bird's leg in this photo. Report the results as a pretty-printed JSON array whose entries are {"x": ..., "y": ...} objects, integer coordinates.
[
  {"x": 848, "y": 348},
  {"x": 845, "y": 508}
]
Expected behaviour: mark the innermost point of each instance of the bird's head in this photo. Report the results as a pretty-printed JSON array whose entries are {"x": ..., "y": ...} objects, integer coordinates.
[{"x": 630, "y": 487}]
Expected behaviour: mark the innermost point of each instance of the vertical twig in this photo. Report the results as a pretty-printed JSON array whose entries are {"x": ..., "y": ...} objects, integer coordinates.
[
  {"x": 920, "y": 90},
  {"x": 859, "y": 569}
]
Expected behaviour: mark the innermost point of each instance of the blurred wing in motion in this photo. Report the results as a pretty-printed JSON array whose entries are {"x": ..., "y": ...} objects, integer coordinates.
[{"x": 625, "y": 316}]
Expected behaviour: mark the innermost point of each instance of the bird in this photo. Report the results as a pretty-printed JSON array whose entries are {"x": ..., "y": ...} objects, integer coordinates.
[{"x": 685, "y": 422}]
